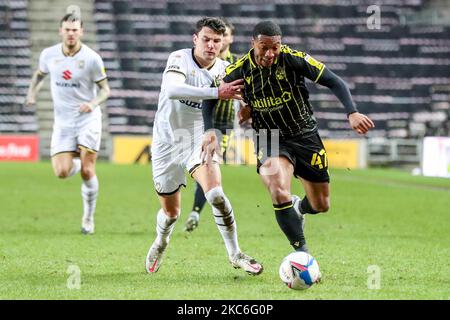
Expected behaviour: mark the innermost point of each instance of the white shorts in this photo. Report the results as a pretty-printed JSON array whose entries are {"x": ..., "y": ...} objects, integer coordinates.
[
  {"x": 169, "y": 163},
  {"x": 69, "y": 139}
]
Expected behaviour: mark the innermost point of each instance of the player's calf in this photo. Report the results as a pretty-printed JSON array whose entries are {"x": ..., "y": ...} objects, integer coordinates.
[{"x": 320, "y": 204}]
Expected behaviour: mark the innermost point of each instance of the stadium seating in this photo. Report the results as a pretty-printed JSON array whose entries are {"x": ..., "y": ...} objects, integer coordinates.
[
  {"x": 393, "y": 72},
  {"x": 15, "y": 70},
  {"x": 398, "y": 74}
]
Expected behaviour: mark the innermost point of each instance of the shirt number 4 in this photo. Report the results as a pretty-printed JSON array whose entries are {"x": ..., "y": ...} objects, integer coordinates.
[{"x": 319, "y": 159}]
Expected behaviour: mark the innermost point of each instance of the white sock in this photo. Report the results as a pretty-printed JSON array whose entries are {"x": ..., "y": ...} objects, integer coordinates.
[
  {"x": 164, "y": 226},
  {"x": 89, "y": 193},
  {"x": 224, "y": 218},
  {"x": 76, "y": 166}
]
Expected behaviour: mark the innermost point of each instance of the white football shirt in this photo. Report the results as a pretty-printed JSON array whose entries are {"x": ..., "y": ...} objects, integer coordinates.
[
  {"x": 181, "y": 119},
  {"x": 73, "y": 82}
]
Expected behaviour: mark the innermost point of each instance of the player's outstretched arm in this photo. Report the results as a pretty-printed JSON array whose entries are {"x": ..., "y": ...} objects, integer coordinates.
[
  {"x": 358, "y": 121},
  {"x": 177, "y": 88},
  {"x": 102, "y": 95},
  {"x": 35, "y": 86}
]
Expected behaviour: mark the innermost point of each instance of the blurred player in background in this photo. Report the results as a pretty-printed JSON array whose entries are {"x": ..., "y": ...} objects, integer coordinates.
[
  {"x": 75, "y": 73},
  {"x": 177, "y": 137},
  {"x": 275, "y": 90},
  {"x": 224, "y": 121}
]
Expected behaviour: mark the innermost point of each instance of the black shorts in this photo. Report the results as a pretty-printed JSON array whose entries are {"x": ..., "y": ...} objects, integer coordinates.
[{"x": 307, "y": 154}]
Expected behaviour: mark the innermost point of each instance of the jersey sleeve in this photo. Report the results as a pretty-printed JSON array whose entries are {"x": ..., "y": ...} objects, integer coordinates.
[
  {"x": 177, "y": 63},
  {"x": 98, "y": 69},
  {"x": 43, "y": 68},
  {"x": 233, "y": 72},
  {"x": 305, "y": 64}
]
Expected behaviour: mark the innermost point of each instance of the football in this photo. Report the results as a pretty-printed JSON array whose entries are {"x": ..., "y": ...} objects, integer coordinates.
[{"x": 299, "y": 270}]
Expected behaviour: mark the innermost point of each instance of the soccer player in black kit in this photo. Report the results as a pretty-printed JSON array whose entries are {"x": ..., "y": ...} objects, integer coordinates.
[{"x": 275, "y": 91}]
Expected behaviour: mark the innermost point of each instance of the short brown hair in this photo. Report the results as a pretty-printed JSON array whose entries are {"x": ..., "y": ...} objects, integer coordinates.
[
  {"x": 70, "y": 17},
  {"x": 215, "y": 24}
]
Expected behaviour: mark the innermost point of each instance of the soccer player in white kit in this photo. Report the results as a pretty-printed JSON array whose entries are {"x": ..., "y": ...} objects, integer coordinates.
[
  {"x": 177, "y": 137},
  {"x": 75, "y": 72}
]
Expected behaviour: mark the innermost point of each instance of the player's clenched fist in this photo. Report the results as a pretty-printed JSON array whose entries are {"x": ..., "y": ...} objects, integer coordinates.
[
  {"x": 86, "y": 107},
  {"x": 30, "y": 101},
  {"x": 232, "y": 90},
  {"x": 244, "y": 114},
  {"x": 360, "y": 122}
]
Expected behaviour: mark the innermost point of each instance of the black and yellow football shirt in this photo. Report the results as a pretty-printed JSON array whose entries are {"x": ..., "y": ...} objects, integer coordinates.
[
  {"x": 224, "y": 112},
  {"x": 278, "y": 95}
]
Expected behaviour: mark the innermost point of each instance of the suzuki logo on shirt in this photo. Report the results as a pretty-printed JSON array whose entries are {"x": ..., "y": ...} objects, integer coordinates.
[
  {"x": 67, "y": 75},
  {"x": 192, "y": 104}
]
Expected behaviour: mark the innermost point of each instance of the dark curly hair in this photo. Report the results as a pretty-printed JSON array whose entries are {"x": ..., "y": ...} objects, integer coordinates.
[{"x": 266, "y": 28}]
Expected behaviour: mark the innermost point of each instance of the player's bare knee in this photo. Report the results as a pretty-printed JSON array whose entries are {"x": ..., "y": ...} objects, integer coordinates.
[
  {"x": 87, "y": 173},
  {"x": 61, "y": 172},
  {"x": 172, "y": 213},
  {"x": 279, "y": 194}
]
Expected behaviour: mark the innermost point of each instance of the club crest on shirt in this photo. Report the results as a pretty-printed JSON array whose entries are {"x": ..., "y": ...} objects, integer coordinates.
[
  {"x": 217, "y": 80},
  {"x": 280, "y": 73},
  {"x": 81, "y": 64}
]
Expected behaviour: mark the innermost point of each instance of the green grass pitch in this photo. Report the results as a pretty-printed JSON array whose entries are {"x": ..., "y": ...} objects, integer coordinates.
[{"x": 383, "y": 218}]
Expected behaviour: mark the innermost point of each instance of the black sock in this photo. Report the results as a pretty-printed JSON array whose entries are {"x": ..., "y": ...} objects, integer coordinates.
[
  {"x": 305, "y": 207},
  {"x": 199, "y": 199},
  {"x": 290, "y": 224}
]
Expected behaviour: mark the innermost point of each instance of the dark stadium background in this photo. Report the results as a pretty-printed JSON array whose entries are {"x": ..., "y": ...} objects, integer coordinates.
[{"x": 398, "y": 70}]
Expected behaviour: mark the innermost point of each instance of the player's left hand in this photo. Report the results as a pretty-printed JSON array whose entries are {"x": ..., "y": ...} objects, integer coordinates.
[
  {"x": 210, "y": 145},
  {"x": 86, "y": 107},
  {"x": 244, "y": 114},
  {"x": 360, "y": 122}
]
